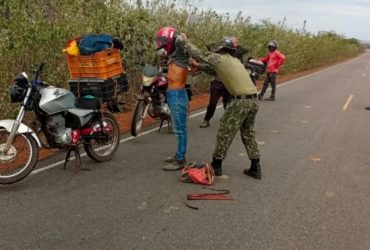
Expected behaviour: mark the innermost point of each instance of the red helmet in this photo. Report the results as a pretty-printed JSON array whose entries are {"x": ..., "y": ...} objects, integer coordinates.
[{"x": 165, "y": 40}]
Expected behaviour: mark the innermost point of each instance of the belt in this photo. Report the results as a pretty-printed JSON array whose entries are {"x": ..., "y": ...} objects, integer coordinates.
[
  {"x": 244, "y": 96},
  {"x": 222, "y": 194}
]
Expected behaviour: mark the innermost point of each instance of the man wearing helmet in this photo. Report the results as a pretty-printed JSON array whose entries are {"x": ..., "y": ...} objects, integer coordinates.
[
  {"x": 275, "y": 59},
  {"x": 177, "y": 99},
  {"x": 241, "y": 109},
  {"x": 217, "y": 89}
]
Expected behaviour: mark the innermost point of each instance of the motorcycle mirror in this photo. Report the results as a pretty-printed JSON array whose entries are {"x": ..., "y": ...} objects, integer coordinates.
[
  {"x": 150, "y": 71},
  {"x": 39, "y": 70},
  {"x": 24, "y": 75},
  {"x": 42, "y": 65}
]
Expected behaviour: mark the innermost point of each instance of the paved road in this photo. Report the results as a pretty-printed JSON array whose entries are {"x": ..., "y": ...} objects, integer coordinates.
[{"x": 315, "y": 191}]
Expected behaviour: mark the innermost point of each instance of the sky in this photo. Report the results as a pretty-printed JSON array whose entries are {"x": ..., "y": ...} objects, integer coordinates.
[{"x": 345, "y": 17}]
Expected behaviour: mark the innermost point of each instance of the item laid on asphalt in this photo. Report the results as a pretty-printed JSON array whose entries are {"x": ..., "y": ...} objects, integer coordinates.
[
  {"x": 199, "y": 173},
  {"x": 221, "y": 195}
]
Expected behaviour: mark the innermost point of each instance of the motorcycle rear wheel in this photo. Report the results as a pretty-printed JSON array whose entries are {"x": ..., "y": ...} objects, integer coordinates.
[
  {"x": 103, "y": 150},
  {"x": 20, "y": 160},
  {"x": 138, "y": 117}
]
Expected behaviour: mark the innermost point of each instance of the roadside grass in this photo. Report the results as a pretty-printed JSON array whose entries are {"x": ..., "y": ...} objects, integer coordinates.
[{"x": 35, "y": 31}]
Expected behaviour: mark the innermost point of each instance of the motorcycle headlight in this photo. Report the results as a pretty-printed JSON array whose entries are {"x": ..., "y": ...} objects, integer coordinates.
[
  {"x": 17, "y": 93},
  {"x": 21, "y": 80}
]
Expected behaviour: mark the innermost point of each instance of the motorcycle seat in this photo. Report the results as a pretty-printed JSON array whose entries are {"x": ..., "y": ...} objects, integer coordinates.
[{"x": 87, "y": 103}]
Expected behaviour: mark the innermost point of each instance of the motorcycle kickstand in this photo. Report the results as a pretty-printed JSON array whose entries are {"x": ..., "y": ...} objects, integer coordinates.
[
  {"x": 78, "y": 162},
  {"x": 68, "y": 157},
  {"x": 168, "y": 123},
  {"x": 160, "y": 126}
]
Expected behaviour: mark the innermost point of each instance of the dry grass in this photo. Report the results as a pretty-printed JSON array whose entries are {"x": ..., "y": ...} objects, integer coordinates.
[{"x": 36, "y": 30}]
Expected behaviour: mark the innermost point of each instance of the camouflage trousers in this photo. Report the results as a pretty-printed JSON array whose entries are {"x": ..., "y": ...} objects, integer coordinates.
[{"x": 240, "y": 115}]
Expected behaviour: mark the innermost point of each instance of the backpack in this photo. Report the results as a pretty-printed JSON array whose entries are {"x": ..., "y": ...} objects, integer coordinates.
[
  {"x": 90, "y": 44},
  {"x": 199, "y": 173}
]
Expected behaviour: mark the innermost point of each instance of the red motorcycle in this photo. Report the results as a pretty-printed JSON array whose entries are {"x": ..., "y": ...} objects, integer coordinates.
[{"x": 152, "y": 99}]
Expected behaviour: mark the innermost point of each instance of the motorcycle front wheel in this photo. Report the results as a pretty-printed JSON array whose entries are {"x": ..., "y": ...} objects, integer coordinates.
[
  {"x": 138, "y": 117},
  {"x": 20, "y": 159},
  {"x": 101, "y": 150}
]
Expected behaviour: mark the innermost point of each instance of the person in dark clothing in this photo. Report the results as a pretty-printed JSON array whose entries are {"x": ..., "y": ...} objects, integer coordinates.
[{"x": 217, "y": 88}]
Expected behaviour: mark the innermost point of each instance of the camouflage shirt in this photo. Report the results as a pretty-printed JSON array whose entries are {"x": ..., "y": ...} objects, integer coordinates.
[
  {"x": 179, "y": 57},
  {"x": 227, "y": 68}
]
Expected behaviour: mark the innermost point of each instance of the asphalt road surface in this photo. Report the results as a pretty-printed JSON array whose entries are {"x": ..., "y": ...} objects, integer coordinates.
[{"x": 315, "y": 192}]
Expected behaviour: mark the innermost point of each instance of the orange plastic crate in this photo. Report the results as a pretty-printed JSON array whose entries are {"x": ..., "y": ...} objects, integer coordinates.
[{"x": 103, "y": 65}]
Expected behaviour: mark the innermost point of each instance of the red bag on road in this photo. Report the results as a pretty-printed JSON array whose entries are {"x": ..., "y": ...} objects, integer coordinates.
[{"x": 200, "y": 173}]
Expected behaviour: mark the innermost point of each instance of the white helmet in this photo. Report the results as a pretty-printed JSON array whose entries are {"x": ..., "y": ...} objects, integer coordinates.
[{"x": 273, "y": 43}]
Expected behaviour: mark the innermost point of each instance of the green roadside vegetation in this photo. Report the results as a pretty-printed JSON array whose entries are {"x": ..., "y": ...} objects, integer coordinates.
[{"x": 34, "y": 31}]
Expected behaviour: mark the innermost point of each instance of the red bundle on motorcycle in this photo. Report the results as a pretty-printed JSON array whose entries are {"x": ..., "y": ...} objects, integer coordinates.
[{"x": 103, "y": 65}]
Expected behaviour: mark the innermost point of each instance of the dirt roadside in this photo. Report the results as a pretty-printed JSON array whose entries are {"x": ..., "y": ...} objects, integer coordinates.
[
  {"x": 201, "y": 101},
  {"x": 197, "y": 102}
]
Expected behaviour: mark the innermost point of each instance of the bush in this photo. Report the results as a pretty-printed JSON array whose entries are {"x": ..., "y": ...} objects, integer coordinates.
[{"x": 36, "y": 30}]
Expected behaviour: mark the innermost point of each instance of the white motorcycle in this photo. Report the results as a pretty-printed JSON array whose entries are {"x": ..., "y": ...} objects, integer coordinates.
[{"x": 65, "y": 122}]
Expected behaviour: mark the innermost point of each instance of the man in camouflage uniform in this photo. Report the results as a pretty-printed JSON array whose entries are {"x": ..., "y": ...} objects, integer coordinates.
[
  {"x": 217, "y": 88},
  {"x": 243, "y": 105}
]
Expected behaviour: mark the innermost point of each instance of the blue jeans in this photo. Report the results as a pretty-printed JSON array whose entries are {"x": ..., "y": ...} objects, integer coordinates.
[{"x": 177, "y": 100}]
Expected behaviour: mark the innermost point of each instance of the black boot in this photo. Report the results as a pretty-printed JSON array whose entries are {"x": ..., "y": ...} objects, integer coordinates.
[
  {"x": 255, "y": 169},
  {"x": 217, "y": 166}
]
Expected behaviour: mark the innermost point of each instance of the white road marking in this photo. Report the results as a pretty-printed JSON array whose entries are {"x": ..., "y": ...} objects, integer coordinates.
[
  {"x": 59, "y": 163},
  {"x": 347, "y": 103},
  {"x": 363, "y": 75},
  {"x": 56, "y": 164}
]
